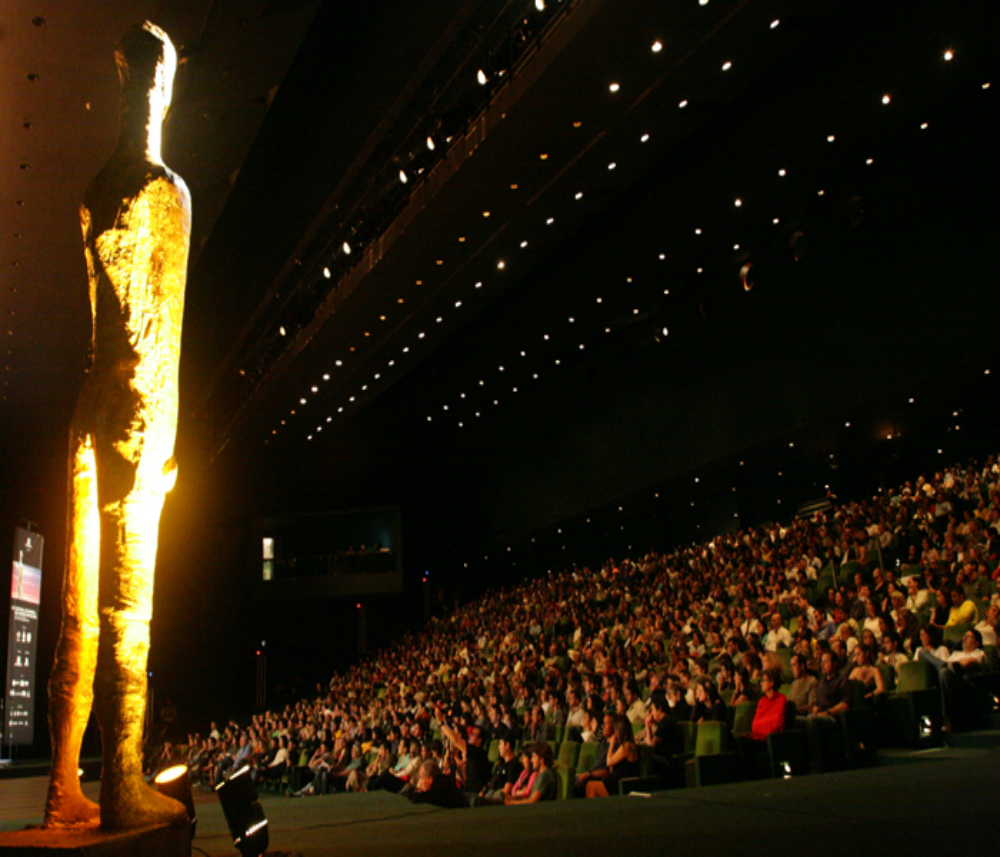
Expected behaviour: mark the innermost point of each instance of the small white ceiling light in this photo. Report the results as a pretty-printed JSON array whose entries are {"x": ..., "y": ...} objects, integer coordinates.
[
  {"x": 886, "y": 98},
  {"x": 683, "y": 103},
  {"x": 644, "y": 138},
  {"x": 614, "y": 87},
  {"x": 326, "y": 273},
  {"x": 481, "y": 77},
  {"x": 430, "y": 144},
  {"x": 949, "y": 55},
  {"x": 774, "y": 23},
  {"x": 403, "y": 177},
  {"x": 727, "y": 65},
  {"x": 346, "y": 248},
  {"x": 657, "y": 46},
  {"x": 782, "y": 172}
]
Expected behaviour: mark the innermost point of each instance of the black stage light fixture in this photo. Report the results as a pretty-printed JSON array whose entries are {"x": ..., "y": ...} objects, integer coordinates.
[
  {"x": 175, "y": 782},
  {"x": 244, "y": 814}
]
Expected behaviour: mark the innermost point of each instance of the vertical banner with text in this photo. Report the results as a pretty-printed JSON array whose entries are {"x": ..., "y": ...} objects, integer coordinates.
[{"x": 25, "y": 596}]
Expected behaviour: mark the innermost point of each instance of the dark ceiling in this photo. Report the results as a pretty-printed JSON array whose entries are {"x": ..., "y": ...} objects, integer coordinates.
[{"x": 588, "y": 338}]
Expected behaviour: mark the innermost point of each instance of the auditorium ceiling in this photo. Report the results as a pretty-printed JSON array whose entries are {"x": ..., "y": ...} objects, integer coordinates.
[{"x": 513, "y": 256}]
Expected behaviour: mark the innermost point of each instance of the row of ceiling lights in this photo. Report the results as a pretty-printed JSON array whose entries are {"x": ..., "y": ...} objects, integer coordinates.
[
  {"x": 501, "y": 264},
  {"x": 886, "y": 99},
  {"x": 414, "y": 164}
]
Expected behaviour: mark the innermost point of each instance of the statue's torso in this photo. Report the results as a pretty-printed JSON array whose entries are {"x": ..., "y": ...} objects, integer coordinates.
[{"x": 137, "y": 222}]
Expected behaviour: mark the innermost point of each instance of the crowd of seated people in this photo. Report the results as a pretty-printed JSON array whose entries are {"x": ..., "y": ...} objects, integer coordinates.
[{"x": 618, "y": 653}]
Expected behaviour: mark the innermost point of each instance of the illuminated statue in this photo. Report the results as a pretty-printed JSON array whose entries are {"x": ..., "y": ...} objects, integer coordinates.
[{"x": 136, "y": 220}]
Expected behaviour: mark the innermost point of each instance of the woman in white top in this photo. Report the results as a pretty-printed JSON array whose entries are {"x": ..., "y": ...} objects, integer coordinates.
[
  {"x": 927, "y": 644},
  {"x": 871, "y": 622}
]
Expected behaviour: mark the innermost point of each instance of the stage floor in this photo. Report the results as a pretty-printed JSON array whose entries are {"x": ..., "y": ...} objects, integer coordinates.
[{"x": 945, "y": 801}]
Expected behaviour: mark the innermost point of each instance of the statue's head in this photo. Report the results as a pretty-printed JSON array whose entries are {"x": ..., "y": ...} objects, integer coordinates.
[{"x": 147, "y": 61}]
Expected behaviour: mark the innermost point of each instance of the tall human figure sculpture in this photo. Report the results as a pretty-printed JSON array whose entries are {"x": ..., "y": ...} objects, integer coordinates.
[{"x": 136, "y": 219}]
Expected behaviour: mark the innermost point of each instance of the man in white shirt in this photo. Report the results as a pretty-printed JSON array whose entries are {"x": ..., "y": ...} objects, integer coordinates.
[
  {"x": 779, "y": 636},
  {"x": 956, "y": 691},
  {"x": 576, "y": 716}
]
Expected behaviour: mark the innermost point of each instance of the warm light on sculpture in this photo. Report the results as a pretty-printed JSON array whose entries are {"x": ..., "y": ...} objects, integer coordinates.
[{"x": 136, "y": 219}]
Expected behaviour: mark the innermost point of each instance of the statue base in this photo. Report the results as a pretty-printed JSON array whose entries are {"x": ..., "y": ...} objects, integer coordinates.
[{"x": 160, "y": 841}]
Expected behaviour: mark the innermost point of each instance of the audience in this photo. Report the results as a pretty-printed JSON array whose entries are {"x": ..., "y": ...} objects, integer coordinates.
[{"x": 648, "y": 643}]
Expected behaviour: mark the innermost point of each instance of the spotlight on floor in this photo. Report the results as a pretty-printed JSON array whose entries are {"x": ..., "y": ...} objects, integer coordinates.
[
  {"x": 244, "y": 814},
  {"x": 175, "y": 782}
]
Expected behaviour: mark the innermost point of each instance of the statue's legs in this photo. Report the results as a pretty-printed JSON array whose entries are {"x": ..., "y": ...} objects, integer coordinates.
[
  {"x": 71, "y": 685},
  {"x": 129, "y": 526}
]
